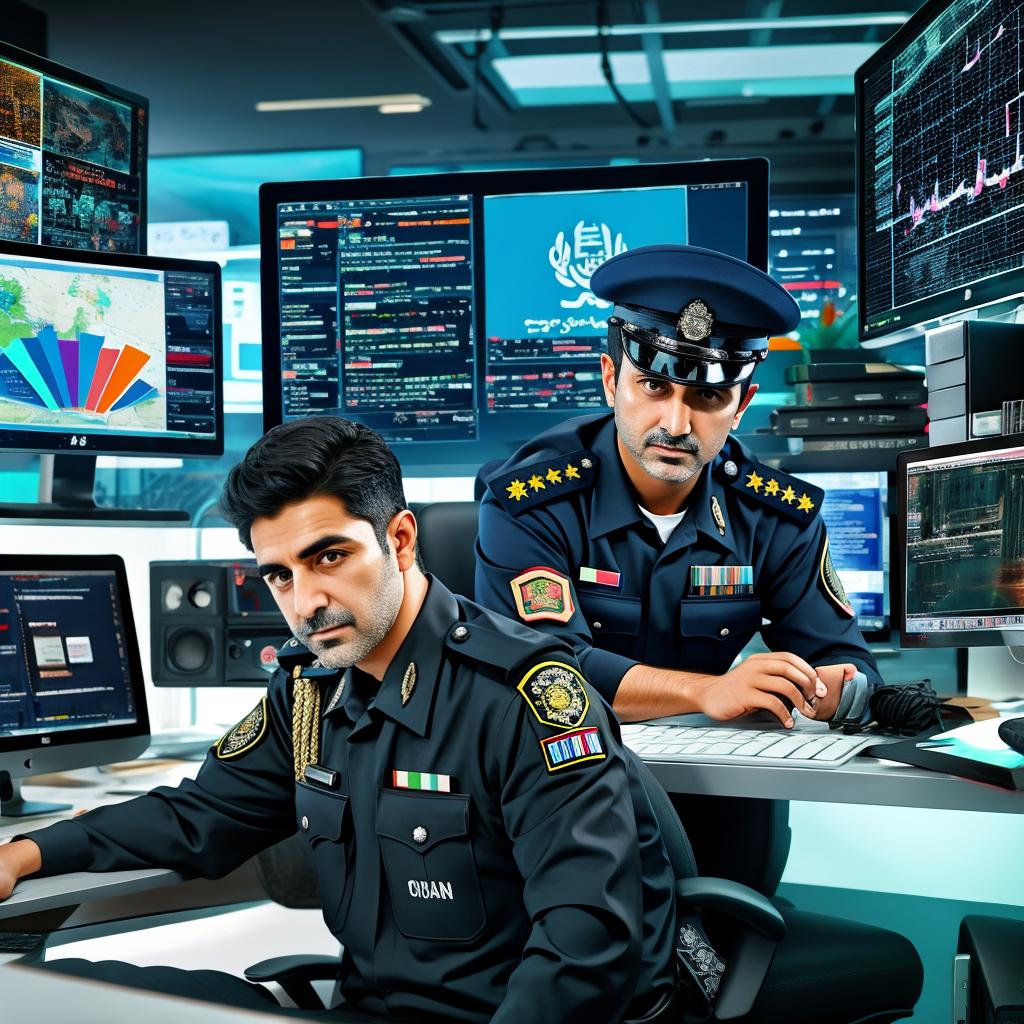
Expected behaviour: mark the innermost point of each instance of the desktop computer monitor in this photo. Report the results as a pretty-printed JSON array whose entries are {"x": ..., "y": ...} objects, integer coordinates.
[
  {"x": 72, "y": 157},
  {"x": 961, "y": 544},
  {"x": 855, "y": 510},
  {"x": 453, "y": 312},
  {"x": 940, "y": 167},
  {"x": 71, "y": 688},
  {"x": 107, "y": 354}
]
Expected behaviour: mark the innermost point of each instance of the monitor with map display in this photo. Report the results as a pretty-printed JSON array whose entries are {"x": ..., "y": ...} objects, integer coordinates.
[
  {"x": 109, "y": 354},
  {"x": 72, "y": 157}
]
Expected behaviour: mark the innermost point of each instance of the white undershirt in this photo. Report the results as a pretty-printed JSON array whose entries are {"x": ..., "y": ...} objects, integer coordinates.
[{"x": 664, "y": 524}]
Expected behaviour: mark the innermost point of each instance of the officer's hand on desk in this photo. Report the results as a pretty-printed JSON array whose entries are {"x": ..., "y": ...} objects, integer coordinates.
[
  {"x": 776, "y": 681},
  {"x": 17, "y": 860}
]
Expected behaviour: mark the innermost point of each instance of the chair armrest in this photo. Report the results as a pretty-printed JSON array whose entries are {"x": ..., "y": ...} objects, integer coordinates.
[
  {"x": 288, "y": 968},
  {"x": 758, "y": 929},
  {"x": 295, "y": 975},
  {"x": 737, "y": 901}
]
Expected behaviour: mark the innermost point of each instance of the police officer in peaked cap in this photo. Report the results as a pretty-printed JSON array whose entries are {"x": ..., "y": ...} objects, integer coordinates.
[{"x": 657, "y": 545}]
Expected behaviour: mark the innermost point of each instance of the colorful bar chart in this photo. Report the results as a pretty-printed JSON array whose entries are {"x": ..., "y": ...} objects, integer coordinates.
[{"x": 79, "y": 374}]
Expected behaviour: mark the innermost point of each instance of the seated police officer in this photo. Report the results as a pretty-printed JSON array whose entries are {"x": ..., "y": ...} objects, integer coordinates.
[
  {"x": 654, "y": 542},
  {"x": 657, "y": 546},
  {"x": 463, "y": 790}
]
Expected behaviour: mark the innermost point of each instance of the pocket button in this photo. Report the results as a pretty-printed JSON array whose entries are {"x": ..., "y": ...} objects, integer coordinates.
[
  {"x": 724, "y": 631},
  {"x": 305, "y": 824},
  {"x": 419, "y": 834}
]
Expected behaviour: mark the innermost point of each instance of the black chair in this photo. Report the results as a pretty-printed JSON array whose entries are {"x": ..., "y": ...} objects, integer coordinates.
[{"x": 447, "y": 535}]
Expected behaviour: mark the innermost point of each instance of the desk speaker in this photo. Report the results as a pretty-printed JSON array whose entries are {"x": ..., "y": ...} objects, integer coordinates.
[{"x": 212, "y": 623}]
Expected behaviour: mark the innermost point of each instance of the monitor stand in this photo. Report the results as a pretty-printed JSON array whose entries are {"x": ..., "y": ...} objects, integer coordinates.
[
  {"x": 66, "y": 485},
  {"x": 13, "y": 806}
]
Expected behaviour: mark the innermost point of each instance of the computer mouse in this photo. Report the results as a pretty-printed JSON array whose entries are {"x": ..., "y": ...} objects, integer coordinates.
[{"x": 1011, "y": 732}]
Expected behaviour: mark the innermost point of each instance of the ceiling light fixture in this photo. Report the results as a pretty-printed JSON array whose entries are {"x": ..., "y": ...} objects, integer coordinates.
[
  {"x": 398, "y": 103},
  {"x": 831, "y": 21}
]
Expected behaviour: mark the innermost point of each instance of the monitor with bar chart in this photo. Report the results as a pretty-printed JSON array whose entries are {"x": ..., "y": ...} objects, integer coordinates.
[{"x": 107, "y": 353}]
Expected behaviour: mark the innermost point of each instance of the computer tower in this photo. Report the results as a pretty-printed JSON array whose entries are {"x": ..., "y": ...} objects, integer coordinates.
[{"x": 970, "y": 373}]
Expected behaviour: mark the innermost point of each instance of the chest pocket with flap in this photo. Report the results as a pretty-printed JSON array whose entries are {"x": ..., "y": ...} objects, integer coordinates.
[
  {"x": 716, "y": 629},
  {"x": 323, "y": 820},
  {"x": 428, "y": 859},
  {"x": 614, "y": 620}
]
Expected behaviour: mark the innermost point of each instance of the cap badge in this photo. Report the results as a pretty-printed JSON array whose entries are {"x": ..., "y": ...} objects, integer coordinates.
[{"x": 696, "y": 321}]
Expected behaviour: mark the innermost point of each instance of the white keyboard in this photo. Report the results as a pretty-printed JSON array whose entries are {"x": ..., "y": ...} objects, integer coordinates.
[{"x": 807, "y": 744}]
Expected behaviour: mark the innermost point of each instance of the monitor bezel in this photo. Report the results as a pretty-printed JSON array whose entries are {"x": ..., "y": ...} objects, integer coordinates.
[
  {"x": 46, "y": 741},
  {"x": 51, "y": 69},
  {"x": 948, "y": 304},
  {"x": 946, "y": 638},
  {"x": 754, "y": 171},
  {"x": 99, "y": 443}
]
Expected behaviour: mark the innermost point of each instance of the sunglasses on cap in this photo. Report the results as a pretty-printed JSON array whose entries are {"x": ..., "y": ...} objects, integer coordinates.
[{"x": 681, "y": 362}]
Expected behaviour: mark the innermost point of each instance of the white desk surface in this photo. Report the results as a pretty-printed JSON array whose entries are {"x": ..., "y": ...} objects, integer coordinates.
[{"x": 863, "y": 780}]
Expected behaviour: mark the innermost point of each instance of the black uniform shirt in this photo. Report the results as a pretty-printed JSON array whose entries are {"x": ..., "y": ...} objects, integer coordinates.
[
  {"x": 477, "y": 854},
  {"x": 564, "y": 546}
]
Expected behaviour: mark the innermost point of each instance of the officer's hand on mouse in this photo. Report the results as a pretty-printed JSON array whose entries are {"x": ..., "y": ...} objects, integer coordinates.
[
  {"x": 835, "y": 678},
  {"x": 776, "y": 681}
]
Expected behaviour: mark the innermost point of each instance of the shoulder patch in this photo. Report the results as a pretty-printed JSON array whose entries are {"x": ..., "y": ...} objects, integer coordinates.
[
  {"x": 831, "y": 583},
  {"x": 787, "y": 494},
  {"x": 542, "y": 593},
  {"x": 528, "y": 486},
  {"x": 571, "y": 748},
  {"x": 244, "y": 736},
  {"x": 556, "y": 694}
]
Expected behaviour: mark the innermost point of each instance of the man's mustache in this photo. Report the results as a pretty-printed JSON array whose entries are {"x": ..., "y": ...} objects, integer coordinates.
[
  {"x": 324, "y": 618},
  {"x": 663, "y": 439}
]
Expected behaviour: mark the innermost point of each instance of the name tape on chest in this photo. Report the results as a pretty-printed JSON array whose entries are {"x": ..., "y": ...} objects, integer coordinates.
[
  {"x": 572, "y": 748},
  {"x": 246, "y": 735}
]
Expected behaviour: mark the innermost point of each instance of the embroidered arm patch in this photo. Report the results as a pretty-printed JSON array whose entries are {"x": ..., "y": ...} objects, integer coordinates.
[
  {"x": 832, "y": 584},
  {"x": 244, "y": 736},
  {"x": 556, "y": 694},
  {"x": 542, "y": 593}
]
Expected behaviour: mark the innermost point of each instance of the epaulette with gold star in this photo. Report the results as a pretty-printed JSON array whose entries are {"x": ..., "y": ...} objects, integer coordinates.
[
  {"x": 526, "y": 487},
  {"x": 786, "y": 494}
]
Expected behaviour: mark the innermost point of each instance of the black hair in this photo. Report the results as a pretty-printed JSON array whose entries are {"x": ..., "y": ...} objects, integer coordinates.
[
  {"x": 319, "y": 455},
  {"x": 615, "y": 354}
]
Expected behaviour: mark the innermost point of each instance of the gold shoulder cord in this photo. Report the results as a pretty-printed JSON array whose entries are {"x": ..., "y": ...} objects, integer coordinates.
[{"x": 305, "y": 725}]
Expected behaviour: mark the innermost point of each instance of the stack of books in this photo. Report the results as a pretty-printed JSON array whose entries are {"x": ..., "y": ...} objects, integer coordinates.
[{"x": 851, "y": 416}]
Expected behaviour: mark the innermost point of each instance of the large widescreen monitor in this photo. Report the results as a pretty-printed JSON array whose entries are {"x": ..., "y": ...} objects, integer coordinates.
[
  {"x": 109, "y": 354},
  {"x": 961, "y": 543},
  {"x": 72, "y": 692},
  {"x": 855, "y": 510},
  {"x": 72, "y": 157},
  {"x": 940, "y": 166},
  {"x": 453, "y": 312}
]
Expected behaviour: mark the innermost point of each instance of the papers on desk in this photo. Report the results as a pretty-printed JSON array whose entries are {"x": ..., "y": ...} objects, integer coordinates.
[
  {"x": 973, "y": 752},
  {"x": 978, "y": 741}
]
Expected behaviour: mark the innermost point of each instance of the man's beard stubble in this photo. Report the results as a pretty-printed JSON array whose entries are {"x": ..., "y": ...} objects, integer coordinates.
[{"x": 367, "y": 635}]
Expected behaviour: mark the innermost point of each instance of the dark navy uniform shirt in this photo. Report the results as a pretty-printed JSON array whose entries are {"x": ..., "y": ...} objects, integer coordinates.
[
  {"x": 478, "y": 851},
  {"x": 564, "y": 546}
]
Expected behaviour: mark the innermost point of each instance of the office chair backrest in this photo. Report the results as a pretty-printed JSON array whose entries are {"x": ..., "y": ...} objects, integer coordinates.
[
  {"x": 447, "y": 537},
  {"x": 677, "y": 845}
]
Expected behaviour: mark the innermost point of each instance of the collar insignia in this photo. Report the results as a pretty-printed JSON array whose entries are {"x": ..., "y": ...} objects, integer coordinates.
[
  {"x": 408, "y": 683},
  {"x": 716, "y": 512}
]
